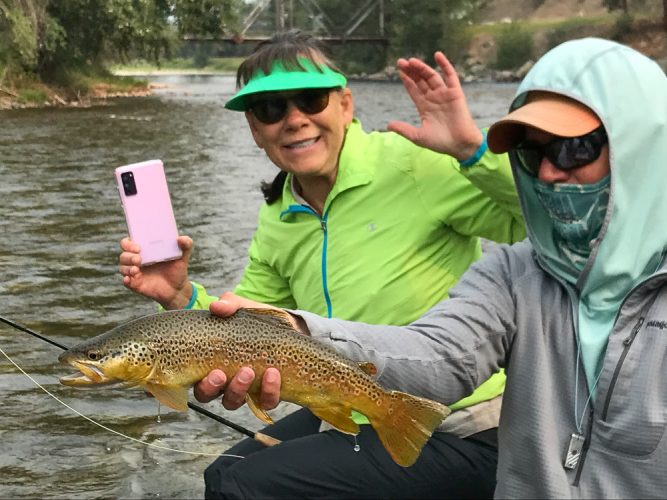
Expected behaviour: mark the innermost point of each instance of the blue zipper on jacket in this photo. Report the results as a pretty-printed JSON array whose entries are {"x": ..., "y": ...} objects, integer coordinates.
[{"x": 323, "y": 223}]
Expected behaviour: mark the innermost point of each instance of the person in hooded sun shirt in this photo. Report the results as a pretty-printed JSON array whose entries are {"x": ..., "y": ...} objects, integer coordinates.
[{"x": 551, "y": 137}]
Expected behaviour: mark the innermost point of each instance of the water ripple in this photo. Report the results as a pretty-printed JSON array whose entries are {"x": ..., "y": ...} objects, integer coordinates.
[{"x": 61, "y": 222}]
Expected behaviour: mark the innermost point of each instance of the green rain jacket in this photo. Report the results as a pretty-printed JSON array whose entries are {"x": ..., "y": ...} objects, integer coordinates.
[
  {"x": 399, "y": 228},
  {"x": 520, "y": 307}
]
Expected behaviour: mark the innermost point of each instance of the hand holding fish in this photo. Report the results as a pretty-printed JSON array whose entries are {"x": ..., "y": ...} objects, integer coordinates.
[
  {"x": 446, "y": 123},
  {"x": 165, "y": 282},
  {"x": 235, "y": 393}
]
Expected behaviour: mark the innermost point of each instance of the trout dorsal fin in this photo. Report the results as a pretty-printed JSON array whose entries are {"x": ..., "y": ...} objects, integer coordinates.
[{"x": 278, "y": 315}]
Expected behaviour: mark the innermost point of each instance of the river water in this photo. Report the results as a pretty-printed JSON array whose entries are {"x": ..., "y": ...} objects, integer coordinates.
[{"x": 60, "y": 221}]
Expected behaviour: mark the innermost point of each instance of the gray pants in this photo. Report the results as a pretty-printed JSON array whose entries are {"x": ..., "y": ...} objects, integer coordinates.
[{"x": 312, "y": 464}]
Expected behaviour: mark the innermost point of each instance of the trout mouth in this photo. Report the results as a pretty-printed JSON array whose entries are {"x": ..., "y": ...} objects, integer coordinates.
[{"x": 87, "y": 375}]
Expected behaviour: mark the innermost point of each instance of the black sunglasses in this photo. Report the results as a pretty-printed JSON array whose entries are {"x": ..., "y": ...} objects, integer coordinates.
[
  {"x": 272, "y": 107},
  {"x": 565, "y": 153}
]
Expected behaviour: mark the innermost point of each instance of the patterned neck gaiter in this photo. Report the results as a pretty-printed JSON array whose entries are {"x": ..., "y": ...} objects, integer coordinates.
[{"x": 577, "y": 212}]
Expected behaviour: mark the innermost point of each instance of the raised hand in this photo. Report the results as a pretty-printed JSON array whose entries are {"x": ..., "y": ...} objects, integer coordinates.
[
  {"x": 446, "y": 123},
  {"x": 165, "y": 282}
]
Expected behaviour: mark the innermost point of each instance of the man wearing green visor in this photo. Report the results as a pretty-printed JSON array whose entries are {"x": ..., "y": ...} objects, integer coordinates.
[{"x": 368, "y": 227}]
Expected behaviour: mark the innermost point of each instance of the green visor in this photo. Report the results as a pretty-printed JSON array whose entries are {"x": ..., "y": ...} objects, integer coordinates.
[{"x": 280, "y": 78}]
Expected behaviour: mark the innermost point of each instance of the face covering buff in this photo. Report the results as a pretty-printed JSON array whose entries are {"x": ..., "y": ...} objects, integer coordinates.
[{"x": 577, "y": 212}]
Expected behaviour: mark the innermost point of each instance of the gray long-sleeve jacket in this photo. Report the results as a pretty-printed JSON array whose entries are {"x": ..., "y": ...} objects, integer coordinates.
[
  {"x": 508, "y": 312},
  {"x": 526, "y": 308}
]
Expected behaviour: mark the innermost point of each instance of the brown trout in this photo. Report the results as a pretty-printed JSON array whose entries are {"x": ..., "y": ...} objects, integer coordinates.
[{"x": 166, "y": 353}]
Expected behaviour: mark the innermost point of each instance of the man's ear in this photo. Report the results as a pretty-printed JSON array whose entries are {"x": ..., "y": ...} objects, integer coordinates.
[{"x": 250, "y": 118}]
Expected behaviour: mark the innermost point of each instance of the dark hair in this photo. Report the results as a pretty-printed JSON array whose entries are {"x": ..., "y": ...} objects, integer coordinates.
[
  {"x": 273, "y": 190},
  {"x": 287, "y": 47}
]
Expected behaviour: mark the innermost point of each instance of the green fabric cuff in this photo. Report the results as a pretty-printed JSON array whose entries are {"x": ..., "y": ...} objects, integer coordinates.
[
  {"x": 359, "y": 418},
  {"x": 200, "y": 298},
  {"x": 203, "y": 300}
]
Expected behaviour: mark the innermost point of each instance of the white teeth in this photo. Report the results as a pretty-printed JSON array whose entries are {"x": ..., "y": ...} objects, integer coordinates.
[{"x": 302, "y": 144}]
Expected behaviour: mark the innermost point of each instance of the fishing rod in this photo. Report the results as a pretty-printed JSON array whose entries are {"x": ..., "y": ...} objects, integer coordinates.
[{"x": 257, "y": 436}]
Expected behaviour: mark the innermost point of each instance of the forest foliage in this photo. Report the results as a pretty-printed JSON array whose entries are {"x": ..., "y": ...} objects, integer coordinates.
[{"x": 50, "y": 38}]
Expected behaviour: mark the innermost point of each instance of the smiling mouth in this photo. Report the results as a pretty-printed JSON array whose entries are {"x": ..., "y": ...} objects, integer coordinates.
[{"x": 302, "y": 144}]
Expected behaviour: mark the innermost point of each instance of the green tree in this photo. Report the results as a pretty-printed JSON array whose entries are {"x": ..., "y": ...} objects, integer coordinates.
[
  {"x": 630, "y": 7},
  {"x": 638, "y": 5},
  {"x": 51, "y": 37},
  {"x": 100, "y": 29},
  {"x": 415, "y": 27},
  {"x": 515, "y": 47},
  {"x": 207, "y": 17},
  {"x": 616, "y": 4},
  {"x": 26, "y": 30},
  {"x": 421, "y": 28}
]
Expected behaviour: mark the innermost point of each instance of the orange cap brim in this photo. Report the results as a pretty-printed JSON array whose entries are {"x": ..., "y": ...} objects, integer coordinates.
[{"x": 547, "y": 111}]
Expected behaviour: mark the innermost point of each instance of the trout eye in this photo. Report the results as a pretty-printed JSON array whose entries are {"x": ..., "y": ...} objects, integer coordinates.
[{"x": 94, "y": 355}]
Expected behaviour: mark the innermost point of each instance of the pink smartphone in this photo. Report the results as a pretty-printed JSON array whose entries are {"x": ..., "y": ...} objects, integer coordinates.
[{"x": 150, "y": 219}]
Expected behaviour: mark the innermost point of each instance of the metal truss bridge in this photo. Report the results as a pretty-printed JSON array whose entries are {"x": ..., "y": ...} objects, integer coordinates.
[{"x": 310, "y": 16}]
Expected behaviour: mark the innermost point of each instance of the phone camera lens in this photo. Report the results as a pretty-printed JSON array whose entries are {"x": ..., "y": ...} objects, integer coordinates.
[{"x": 129, "y": 186}]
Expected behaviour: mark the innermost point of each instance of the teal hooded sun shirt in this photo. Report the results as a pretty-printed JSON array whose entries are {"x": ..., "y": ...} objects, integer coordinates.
[{"x": 624, "y": 105}]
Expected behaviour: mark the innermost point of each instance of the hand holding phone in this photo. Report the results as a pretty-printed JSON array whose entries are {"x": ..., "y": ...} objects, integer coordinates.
[{"x": 144, "y": 195}]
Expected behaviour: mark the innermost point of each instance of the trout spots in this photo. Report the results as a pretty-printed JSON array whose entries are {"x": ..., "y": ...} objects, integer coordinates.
[{"x": 143, "y": 356}]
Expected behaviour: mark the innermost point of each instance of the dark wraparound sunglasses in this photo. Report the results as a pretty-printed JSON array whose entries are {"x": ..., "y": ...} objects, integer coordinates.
[
  {"x": 272, "y": 107},
  {"x": 564, "y": 153}
]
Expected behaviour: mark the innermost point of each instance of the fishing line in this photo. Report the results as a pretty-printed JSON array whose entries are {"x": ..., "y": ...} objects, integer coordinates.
[
  {"x": 32, "y": 332},
  {"x": 159, "y": 446},
  {"x": 265, "y": 439}
]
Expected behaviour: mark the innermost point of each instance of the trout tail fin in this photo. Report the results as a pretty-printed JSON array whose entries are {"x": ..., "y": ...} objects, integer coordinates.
[{"x": 404, "y": 423}]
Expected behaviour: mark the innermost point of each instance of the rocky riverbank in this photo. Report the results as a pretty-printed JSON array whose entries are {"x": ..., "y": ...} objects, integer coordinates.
[
  {"x": 647, "y": 36},
  {"x": 471, "y": 71},
  {"x": 40, "y": 95}
]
